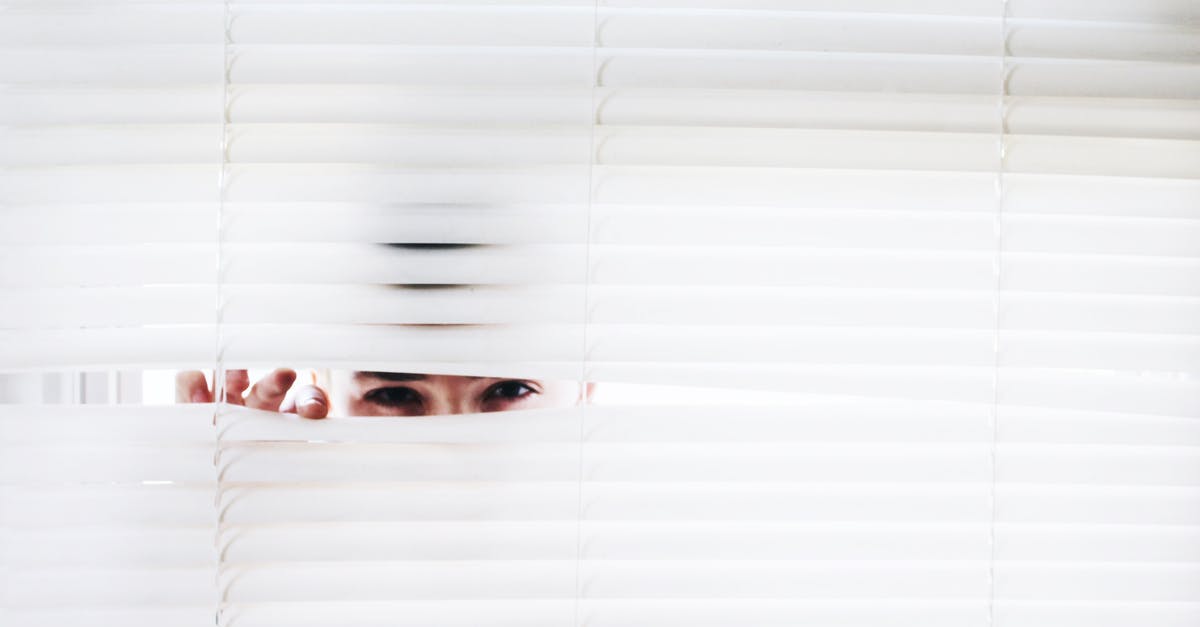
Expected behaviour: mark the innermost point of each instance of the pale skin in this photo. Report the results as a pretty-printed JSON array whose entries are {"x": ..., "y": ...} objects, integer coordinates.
[{"x": 361, "y": 393}]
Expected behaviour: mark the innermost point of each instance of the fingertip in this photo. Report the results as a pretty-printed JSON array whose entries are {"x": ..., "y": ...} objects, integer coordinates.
[
  {"x": 589, "y": 393},
  {"x": 191, "y": 387},
  {"x": 312, "y": 408},
  {"x": 188, "y": 377},
  {"x": 310, "y": 402},
  {"x": 283, "y": 377},
  {"x": 236, "y": 382},
  {"x": 237, "y": 379}
]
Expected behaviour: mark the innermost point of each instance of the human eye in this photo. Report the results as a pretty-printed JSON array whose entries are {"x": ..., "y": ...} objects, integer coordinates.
[
  {"x": 393, "y": 396},
  {"x": 506, "y": 392}
]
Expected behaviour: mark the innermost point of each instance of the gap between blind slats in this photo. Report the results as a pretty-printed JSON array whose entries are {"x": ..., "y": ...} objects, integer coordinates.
[
  {"x": 1153, "y": 11},
  {"x": 759, "y": 419},
  {"x": 757, "y": 462},
  {"x": 44, "y": 308},
  {"x": 709, "y": 147},
  {"x": 1029, "y": 43},
  {"x": 616, "y": 265}
]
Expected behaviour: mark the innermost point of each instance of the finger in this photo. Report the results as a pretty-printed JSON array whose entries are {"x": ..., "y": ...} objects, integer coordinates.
[
  {"x": 309, "y": 401},
  {"x": 589, "y": 393},
  {"x": 236, "y": 382},
  {"x": 191, "y": 387},
  {"x": 269, "y": 392}
]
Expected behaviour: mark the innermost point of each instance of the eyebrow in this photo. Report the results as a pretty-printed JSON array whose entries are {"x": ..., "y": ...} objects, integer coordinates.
[
  {"x": 388, "y": 376},
  {"x": 395, "y": 376}
]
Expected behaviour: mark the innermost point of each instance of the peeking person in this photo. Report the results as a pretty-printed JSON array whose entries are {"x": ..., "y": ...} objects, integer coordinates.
[{"x": 363, "y": 393}]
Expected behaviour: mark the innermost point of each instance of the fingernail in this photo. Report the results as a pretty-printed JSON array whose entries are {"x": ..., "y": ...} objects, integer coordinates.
[
  {"x": 311, "y": 401},
  {"x": 310, "y": 406}
]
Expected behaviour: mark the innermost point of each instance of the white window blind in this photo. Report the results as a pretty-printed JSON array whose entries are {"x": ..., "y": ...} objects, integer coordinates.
[{"x": 962, "y": 239}]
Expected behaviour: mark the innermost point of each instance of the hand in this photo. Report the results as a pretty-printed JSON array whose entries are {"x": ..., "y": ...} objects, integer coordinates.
[{"x": 270, "y": 394}]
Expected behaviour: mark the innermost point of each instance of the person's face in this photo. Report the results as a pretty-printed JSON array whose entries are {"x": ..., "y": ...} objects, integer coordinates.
[{"x": 398, "y": 394}]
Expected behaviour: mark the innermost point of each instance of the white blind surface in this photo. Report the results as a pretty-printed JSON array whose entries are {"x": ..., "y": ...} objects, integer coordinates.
[{"x": 963, "y": 236}]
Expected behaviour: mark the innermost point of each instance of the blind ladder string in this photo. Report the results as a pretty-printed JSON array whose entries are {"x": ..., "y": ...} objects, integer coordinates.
[
  {"x": 997, "y": 272},
  {"x": 593, "y": 122},
  {"x": 219, "y": 542}
]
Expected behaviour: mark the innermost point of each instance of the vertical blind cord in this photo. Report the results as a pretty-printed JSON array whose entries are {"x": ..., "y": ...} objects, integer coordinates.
[
  {"x": 997, "y": 270},
  {"x": 218, "y": 366},
  {"x": 593, "y": 122}
]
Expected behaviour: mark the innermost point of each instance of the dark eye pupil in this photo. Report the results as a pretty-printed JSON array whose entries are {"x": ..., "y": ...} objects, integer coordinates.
[
  {"x": 510, "y": 389},
  {"x": 394, "y": 396}
]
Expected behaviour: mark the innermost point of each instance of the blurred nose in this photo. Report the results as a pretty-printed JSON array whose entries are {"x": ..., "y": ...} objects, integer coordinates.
[
  {"x": 443, "y": 404},
  {"x": 450, "y": 395}
]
